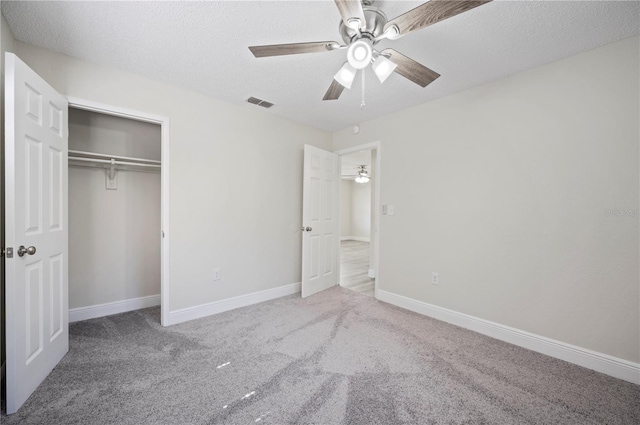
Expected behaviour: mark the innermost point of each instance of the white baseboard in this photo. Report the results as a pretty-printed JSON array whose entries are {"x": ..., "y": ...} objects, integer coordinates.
[
  {"x": 100, "y": 310},
  {"x": 609, "y": 365},
  {"x": 372, "y": 273},
  {"x": 354, "y": 238},
  {"x": 204, "y": 310}
]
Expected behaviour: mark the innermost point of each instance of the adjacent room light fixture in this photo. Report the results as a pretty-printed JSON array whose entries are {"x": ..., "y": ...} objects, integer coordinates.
[
  {"x": 346, "y": 75},
  {"x": 363, "y": 176},
  {"x": 383, "y": 67}
]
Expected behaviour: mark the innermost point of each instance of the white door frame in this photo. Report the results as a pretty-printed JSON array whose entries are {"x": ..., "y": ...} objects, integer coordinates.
[
  {"x": 88, "y": 105},
  {"x": 374, "y": 208}
]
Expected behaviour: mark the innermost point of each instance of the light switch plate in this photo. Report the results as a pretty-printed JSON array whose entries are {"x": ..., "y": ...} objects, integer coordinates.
[{"x": 390, "y": 210}]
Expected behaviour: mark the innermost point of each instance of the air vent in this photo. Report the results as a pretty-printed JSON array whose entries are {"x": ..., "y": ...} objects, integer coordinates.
[{"x": 260, "y": 102}]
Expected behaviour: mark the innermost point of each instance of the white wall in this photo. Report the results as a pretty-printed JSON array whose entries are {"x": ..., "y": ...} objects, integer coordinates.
[
  {"x": 355, "y": 206},
  {"x": 109, "y": 134},
  {"x": 516, "y": 180},
  {"x": 373, "y": 203},
  {"x": 345, "y": 208},
  {"x": 360, "y": 210},
  {"x": 247, "y": 223},
  {"x": 6, "y": 45},
  {"x": 114, "y": 235}
]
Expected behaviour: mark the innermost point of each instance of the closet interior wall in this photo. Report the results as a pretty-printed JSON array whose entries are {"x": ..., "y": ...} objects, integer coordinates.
[
  {"x": 114, "y": 235},
  {"x": 361, "y": 210}
]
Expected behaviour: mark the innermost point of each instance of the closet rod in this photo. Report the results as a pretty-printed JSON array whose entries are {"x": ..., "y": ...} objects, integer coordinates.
[
  {"x": 108, "y": 157},
  {"x": 104, "y": 161}
]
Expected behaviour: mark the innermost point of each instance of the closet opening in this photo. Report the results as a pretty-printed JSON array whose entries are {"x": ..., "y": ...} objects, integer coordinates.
[{"x": 117, "y": 195}]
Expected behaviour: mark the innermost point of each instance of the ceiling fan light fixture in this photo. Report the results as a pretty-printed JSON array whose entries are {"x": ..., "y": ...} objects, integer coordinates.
[
  {"x": 359, "y": 54},
  {"x": 353, "y": 23},
  {"x": 362, "y": 179},
  {"x": 362, "y": 26},
  {"x": 383, "y": 67},
  {"x": 392, "y": 32},
  {"x": 346, "y": 75}
]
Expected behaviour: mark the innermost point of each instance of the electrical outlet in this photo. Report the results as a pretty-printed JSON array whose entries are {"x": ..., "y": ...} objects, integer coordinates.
[
  {"x": 217, "y": 274},
  {"x": 434, "y": 278}
]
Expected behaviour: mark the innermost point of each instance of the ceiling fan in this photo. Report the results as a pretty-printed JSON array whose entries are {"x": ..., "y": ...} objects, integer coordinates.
[
  {"x": 362, "y": 26},
  {"x": 362, "y": 176}
]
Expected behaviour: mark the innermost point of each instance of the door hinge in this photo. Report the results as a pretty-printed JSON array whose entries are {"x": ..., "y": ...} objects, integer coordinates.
[{"x": 7, "y": 251}]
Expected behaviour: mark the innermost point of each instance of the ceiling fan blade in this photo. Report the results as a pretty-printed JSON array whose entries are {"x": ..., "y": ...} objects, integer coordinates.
[
  {"x": 350, "y": 9},
  {"x": 410, "y": 69},
  {"x": 429, "y": 13},
  {"x": 293, "y": 48},
  {"x": 334, "y": 92}
]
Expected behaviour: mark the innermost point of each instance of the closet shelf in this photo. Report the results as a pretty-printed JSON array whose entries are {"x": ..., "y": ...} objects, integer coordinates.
[{"x": 92, "y": 159}]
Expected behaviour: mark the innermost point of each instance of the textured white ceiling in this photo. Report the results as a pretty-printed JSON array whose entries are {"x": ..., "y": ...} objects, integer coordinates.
[{"x": 203, "y": 46}]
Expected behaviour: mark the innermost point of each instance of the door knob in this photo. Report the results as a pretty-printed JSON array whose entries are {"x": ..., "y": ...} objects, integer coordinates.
[
  {"x": 308, "y": 229},
  {"x": 22, "y": 250}
]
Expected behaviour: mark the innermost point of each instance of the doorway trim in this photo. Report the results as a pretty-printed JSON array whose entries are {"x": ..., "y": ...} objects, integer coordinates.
[
  {"x": 163, "y": 121},
  {"x": 377, "y": 146}
]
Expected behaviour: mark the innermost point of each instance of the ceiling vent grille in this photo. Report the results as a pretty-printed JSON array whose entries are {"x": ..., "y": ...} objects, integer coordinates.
[{"x": 260, "y": 102}]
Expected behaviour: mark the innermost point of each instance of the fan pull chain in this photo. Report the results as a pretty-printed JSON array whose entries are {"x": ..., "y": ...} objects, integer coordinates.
[{"x": 362, "y": 104}]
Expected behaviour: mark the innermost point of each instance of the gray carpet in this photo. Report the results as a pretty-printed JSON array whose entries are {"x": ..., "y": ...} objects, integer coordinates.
[{"x": 338, "y": 357}]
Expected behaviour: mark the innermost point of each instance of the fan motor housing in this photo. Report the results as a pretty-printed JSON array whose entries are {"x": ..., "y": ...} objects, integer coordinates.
[{"x": 375, "y": 21}]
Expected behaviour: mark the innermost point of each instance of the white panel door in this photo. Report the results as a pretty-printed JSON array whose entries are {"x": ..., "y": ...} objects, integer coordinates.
[
  {"x": 36, "y": 191},
  {"x": 320, "y": 232}
]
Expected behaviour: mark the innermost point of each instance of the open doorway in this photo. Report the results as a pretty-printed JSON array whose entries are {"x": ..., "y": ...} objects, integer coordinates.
[{"x": 358, "y": 220}]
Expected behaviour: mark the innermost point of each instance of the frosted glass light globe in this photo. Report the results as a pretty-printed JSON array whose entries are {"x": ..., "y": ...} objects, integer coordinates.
[{"x": 360, "y": 53}]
